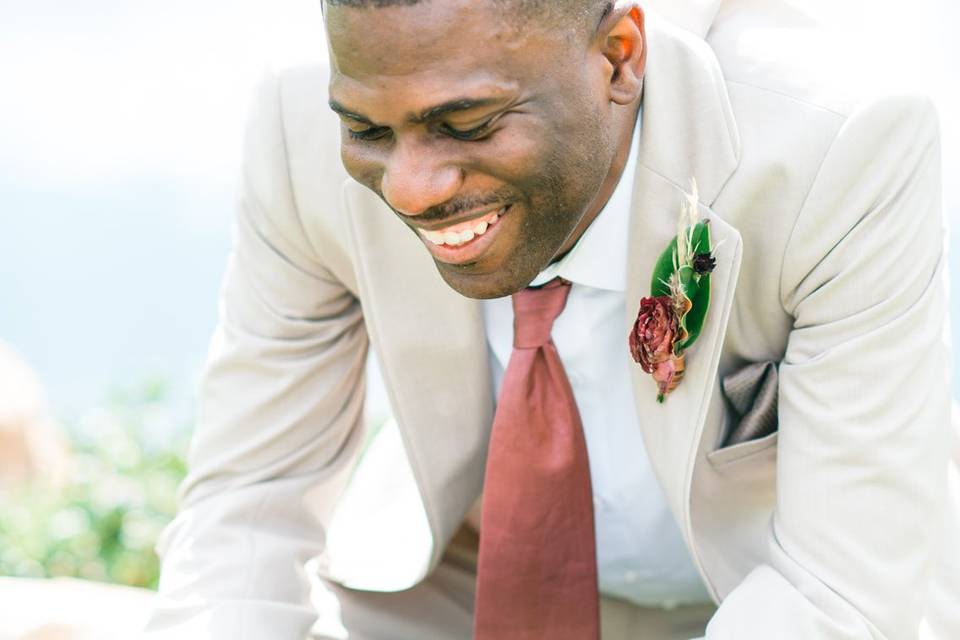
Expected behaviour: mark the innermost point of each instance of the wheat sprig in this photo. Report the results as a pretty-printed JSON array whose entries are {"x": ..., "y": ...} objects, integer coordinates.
[{"x": 685, "y": 225}]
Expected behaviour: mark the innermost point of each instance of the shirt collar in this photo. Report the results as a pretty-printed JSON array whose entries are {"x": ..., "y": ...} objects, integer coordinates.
[{"x": 599, "y": 258}]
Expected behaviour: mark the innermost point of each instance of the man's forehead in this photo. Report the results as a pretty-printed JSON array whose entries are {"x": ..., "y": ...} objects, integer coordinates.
[
  {"x": 432, "y": 34},
  {"x": 384, "y": 60}
]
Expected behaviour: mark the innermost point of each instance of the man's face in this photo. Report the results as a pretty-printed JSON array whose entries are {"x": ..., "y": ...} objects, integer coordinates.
[{"x": 489, "y": 140}]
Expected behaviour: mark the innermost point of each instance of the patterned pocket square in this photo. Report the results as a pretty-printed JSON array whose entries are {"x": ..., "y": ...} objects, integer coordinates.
[{"x": 752, "y": 394}]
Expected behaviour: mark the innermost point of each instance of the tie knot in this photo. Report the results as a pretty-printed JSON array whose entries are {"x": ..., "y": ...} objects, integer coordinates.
[{"x": 534, "y": 311}]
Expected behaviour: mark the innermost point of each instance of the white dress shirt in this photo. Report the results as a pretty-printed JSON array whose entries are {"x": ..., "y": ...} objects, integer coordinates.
[{"x": 641, "y": 556}]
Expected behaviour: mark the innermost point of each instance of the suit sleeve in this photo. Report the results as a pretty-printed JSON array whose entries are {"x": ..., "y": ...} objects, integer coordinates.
[
  {"x": 280, "y": 408},
  {"x": 864, "y": 395}
]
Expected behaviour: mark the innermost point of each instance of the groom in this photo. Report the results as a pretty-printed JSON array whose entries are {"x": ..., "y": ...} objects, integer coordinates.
[{"x": 509, "y": 172}]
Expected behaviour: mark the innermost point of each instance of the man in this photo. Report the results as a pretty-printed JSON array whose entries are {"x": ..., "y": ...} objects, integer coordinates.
[{"x": 794, "y": 484}]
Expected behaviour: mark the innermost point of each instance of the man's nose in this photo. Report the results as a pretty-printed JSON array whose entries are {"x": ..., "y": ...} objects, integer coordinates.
[{"x": 414, "y": 179}]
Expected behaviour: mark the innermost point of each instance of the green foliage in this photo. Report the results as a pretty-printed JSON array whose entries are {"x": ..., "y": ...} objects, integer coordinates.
[
  {"x": 120, "y": 491},
  {"x": 662, "y": 271},
  {"x": 695, "y": 288},
  {"x": 698, "y": 313}
]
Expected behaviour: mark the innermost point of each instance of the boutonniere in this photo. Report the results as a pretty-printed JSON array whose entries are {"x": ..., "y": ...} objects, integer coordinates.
[{"x": 670, "y": 320}]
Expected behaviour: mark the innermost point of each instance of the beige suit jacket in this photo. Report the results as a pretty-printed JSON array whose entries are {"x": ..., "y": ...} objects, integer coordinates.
[{"x": 824, "y": 201}]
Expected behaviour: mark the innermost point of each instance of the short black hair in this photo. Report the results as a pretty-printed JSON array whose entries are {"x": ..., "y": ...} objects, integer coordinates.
[{"x": 581, "y": 13}]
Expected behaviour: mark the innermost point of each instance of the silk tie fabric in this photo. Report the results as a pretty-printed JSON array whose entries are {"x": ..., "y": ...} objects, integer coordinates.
[{"x": 537, "y": 570}]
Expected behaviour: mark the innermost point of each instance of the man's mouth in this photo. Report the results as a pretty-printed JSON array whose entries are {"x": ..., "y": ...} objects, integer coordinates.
[
  {"x": 464, "y": 242},
  {"x": 464, "y": 232}
]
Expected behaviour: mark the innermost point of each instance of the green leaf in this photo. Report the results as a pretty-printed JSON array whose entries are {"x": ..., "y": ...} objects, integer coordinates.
[
  {"x": 695, "y": 287},
  {"x": 663, "y": 268},
  {"x": 701, "y": 238},
  {"x": 662, "y": 271},
  {"x": 694, "y": 319}
]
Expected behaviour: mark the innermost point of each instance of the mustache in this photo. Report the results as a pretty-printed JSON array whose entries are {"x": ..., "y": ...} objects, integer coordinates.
[{"x": 464, "y": 204}]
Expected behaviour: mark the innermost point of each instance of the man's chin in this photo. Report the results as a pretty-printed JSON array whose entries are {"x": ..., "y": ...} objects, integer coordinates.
[{"x": 481, "y": 286}]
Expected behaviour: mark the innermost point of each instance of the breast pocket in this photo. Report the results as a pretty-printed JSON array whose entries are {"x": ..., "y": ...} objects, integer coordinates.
[{"x": 751, "y": 398}]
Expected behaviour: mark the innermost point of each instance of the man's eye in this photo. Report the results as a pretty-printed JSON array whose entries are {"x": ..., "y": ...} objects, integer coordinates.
[
  {"x": 373, "y": 133},
  {"x": 469, "y": 134}
]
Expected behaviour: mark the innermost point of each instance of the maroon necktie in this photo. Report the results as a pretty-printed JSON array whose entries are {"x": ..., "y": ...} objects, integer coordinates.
[{"x": 537, "y": 573}]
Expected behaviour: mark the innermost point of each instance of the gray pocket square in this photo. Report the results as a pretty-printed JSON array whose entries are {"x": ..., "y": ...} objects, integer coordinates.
[{"x": 752, "y": 395}]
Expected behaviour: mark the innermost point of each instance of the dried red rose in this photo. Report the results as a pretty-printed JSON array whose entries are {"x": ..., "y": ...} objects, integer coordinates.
[
  {"x": 651, "y": 341},
  {"x": 652, "y": 338}
]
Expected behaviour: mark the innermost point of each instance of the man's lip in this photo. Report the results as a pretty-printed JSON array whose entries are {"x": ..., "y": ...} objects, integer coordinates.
[
  {"x": 461, "y": 219},
  {"x": 468, "y": 252}
]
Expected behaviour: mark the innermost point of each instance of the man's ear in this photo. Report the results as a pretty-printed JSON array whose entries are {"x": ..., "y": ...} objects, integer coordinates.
[{"x": 624, "y": 46}]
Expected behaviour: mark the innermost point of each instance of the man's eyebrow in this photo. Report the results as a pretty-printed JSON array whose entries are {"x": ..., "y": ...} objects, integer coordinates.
[
  {"x": 431, "y": 113},
  {"x": 342, "y": 110},
  {"x": 451, "y": 106}
]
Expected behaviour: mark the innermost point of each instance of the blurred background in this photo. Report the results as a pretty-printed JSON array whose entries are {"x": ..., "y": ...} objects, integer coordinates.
[
  {"x": 120, "y": 133},
  {"x": 120, "y": 136}
]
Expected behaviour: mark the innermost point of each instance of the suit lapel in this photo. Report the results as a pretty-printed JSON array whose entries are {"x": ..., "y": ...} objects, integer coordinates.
[
  {"x": 672, "y": 430},
  {"x": 432, "y": 349},
  {"x": 687, "y": 132}
]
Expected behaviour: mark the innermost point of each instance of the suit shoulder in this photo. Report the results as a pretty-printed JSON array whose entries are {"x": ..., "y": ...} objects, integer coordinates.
[
  {"x": 309, "y": 124},
  {"x": 794, "y": 85},
  {"x": 776, "y": 49},
  {"x": 303, "y": 90},
  {"x": 317, "y": 175},
  {"x": 293, "y": 162}
]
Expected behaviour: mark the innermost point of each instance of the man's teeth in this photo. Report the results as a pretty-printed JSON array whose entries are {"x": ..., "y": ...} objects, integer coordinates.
[{"x": 458, "y": 235}]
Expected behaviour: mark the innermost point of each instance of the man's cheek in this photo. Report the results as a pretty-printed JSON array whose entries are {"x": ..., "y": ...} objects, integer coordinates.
[
  {"x": 518, "y": 158},
  {"x": 361, "y": 167}
]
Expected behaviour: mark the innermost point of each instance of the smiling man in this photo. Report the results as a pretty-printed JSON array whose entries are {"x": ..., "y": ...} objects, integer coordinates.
[
  {"x": 452, "y": 120},
  {"x": 509, "y": 173}
]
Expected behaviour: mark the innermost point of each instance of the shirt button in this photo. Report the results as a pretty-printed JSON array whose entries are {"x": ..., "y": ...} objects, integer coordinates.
[
  {"x": 575, "y": 380},
  {"x": 596, "y": 501},
  {"x": 630, "y": 577}
]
